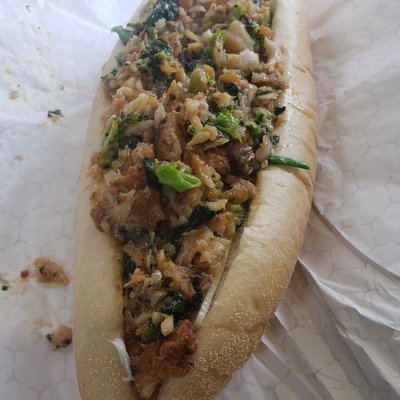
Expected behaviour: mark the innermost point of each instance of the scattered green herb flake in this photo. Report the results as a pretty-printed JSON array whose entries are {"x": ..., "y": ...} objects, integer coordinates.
[
  {"x": 217, "y": 38},
  {"x": 128, "y": 266},
  {"x": 238, "y": 212},
  {"x": 136, "y": 27},
  {"x": 291, "y": 162},
  {"x": 259, "y": 117},
  {"x": 200, "y": 215},
  {"x": 255, "y": 130},
  {"x": 4, "y": 287},
  {"x": 192, "y": 130},
  {"x": 175, "y": 305},
  {"x": 231, "y": 89},
  {"x": 120, "y": 59},
  {"x": 54, "y": 113},
  {"x": 238, "y": 11},
  {"x": 167, "y": 9},
  {"x": 152, "y": 332},
  {"x": 279, "y": 110},
  {"x": 274, "y": 139}
]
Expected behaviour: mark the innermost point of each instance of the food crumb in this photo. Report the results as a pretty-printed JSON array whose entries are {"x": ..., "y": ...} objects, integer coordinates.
[
  {"x": 18, "y": 157},
  {"x": 5, "y": 283},
  {"x": 54, "y": 115},
  {"x": 24, "y": 273},
  {"x": 61, "y": 337},
  {"x": 13, "y": 95},
  {"x": 48, "y": 271}
]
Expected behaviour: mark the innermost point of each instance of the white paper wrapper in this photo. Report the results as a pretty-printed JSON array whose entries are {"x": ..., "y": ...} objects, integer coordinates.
[{"x": 336, "y": 333}]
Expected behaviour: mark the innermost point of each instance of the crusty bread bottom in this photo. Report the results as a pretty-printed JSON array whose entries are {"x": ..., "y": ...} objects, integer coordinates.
[{"x": 258, "y": 275}]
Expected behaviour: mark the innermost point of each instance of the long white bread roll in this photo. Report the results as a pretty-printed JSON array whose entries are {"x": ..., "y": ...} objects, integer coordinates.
[{"x": 260, "y": 264}]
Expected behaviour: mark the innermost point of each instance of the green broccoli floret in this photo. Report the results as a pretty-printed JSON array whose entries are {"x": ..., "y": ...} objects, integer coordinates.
[{"x": 227, "y": 123}]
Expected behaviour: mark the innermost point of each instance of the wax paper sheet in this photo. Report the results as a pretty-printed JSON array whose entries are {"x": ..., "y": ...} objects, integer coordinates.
[{"x": 336, "y": 332}]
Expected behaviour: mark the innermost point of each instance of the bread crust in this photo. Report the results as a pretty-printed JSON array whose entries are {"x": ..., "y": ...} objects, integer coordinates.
[{"x": 258, "y": 275}]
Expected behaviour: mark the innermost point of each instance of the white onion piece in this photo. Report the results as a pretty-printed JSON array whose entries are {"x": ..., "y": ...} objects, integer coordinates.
[
  {"x": 205, "y": 306},
  {"x": 167, "y": 326},
  {"x": 123, "y": 357}
]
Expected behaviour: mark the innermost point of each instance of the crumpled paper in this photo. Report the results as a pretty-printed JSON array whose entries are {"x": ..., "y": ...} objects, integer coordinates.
[{"x": 336, "y": 332}]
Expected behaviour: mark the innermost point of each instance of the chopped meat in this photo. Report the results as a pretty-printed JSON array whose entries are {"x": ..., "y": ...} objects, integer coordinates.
[
  {"x": 146, "y": 209},
  {"x": 167, "y": 358},
  {"x": 48, "y": 271},
  {"x": 181, "y": 276},
  {"x": 61, "y": 337},
  {"x": 206, "y": 173},
  {"x": 135, "y": 178},
  {"x": 104, "y": 204},
  {"x": 174, "y": 41},
  {"x": 142, "y": 151},
  {"x": 133, "y": 175},
  {"x": 167, "y": 144},
  {"x": 218, "y": 161},
  {"x": 241, "y": 190},
  {"x": 223, "y": 224},
  {"x": 242, "y": 159},
  {"x": 271, "y": 79}
]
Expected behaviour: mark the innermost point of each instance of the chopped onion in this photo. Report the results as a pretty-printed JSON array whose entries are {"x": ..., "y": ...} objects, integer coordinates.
[
  {"x": 167, "y": 326},
  {"x": 123, "y": 357}
]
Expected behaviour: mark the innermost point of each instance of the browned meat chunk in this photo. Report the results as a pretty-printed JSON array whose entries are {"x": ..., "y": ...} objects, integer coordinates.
[
  {"x": 135, "y": 178},
  {"x": 181, "y": 276},
  {"x": 167, "y": 144},
  {"x": 241, "y": 190},
  {"x": 100, "y": 210},
  {"x": 242, "y": 159},
  {"x": 146, "y": 209},
  {"x": 168, "y": 358},
  {"x": 218, "y": 161}
]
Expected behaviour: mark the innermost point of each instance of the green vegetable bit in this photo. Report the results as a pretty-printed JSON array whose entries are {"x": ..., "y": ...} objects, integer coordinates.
[
  {"x": 259, "y": 117},
  {"x": 238, "y": 212},
  {"x": 128, "y": 266},
  {"x": 167, "y": 9},
  {"x": 110, "y": 144},
  {"x": 175, "y": 305},
  {"x": 170, "y": 176},
  {"x": 291, "y": 162},
  {"x": 279, "y": 110},
  {"x": 155, "y": 52},
  {"x": 123, "y": 33},
  {"x": 152, "y": 332},
  {"x": 200, "y": 215},
  {"x": 255, "y": 130},
  {"x": 227, "y": 123},
  {"x": 54, "y": 113},
  {"x": 198, "y": 81},
  {"x": 238, "y": 11},
  {"x": 217, "y": 38},
  {"x": 115, "y": 138}
]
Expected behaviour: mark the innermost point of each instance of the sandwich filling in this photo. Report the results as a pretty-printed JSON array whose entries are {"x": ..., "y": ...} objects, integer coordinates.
[{"x": 195, "y": 97}]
